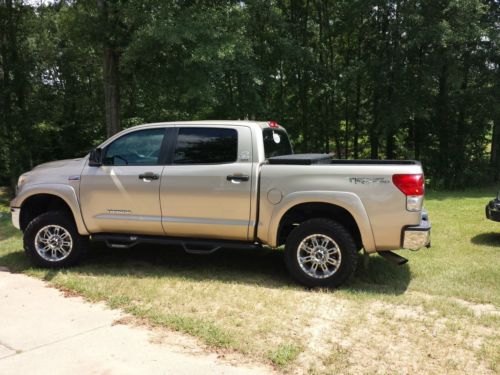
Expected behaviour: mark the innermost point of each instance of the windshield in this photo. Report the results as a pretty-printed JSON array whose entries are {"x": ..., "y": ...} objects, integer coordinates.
[{"x": 276, "y": 142}]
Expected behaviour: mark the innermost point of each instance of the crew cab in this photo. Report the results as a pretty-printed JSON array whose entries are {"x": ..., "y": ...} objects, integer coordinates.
[{"x": 233, "y": 184}]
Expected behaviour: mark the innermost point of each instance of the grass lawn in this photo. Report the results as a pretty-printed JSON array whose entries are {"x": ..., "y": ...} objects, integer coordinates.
[{"x": 440, "y": 313}]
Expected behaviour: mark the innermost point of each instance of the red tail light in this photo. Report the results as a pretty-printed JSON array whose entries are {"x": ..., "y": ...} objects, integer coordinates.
[
  {"x": 273, "y": 124},
  {"x": 409, "y": 184}
]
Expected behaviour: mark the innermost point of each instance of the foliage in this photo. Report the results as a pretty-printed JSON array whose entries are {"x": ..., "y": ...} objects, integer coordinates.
[{"x": 363, "y": 79}]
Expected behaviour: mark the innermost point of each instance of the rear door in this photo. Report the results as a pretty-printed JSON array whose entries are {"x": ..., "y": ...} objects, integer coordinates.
[
  {"x": 205, "y": 191},
  {"x": 122, "y": 195}
]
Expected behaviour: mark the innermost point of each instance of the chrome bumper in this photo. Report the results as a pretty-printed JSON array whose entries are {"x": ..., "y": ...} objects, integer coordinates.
[
  {"x": 418, "y": 236},
  {"x": 16, "y": 214}
]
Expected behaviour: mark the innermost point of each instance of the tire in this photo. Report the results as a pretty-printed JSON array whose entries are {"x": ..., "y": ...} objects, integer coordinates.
[
  {"x": 51, "y": 240},
  {"x": 328, "y": 252}
]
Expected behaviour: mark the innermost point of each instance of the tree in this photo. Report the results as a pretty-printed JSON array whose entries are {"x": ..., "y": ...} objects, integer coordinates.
[{"x": 108, "y": 16}]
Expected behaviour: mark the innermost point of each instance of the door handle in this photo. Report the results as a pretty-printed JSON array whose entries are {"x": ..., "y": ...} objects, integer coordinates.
[
  {"x": 149, "y": 176},
  {"x": 238, "y": 177}
]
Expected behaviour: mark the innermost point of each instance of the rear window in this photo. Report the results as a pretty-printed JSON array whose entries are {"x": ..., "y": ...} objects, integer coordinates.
[
  {"x": 276, "y": 142},
  {"x": 206, "y": 146}
]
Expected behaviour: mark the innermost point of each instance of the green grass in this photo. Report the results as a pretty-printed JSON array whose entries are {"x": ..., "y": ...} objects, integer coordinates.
[
  {"x": 439, "y": 313},
  {"x": 284, "y": 354}
]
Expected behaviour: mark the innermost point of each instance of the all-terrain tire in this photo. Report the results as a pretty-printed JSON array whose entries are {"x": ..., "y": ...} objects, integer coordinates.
[
  {"x": 341, "y": 250},
  {"x": 64, "y": 230}
]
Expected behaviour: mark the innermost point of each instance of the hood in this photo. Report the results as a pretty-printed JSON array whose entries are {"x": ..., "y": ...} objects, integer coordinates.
[
  {"x": 58, "y": 164},
  {"x": 54, "y": 172}
]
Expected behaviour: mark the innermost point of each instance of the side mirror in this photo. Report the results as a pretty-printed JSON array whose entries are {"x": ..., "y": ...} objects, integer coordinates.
[{"x": 95, "y": 158}]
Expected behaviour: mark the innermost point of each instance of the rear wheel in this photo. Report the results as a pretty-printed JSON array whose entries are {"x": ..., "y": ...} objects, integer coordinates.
[
  {"x": 320, "y": 253},
  {"x": 52, "y": 240}
]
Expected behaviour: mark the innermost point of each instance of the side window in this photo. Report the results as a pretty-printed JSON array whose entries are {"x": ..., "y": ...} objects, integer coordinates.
[
  {"x": 138, "y": 148},
  {"x": 206, "y": 146},
  {"x": 276, "y": 142}
]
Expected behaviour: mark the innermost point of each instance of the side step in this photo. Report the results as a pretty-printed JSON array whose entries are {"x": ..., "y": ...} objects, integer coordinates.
[
  {"x": 393, "y": 257},
  {"x": 191, "y": 246}
]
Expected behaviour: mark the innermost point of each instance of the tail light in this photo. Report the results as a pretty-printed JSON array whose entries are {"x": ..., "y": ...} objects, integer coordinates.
[
  {"x": 273, "y": 124},
  {"x": 411, "y": 185}
]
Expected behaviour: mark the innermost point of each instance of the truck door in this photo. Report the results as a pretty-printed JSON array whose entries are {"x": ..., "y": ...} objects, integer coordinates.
[
  {"x": 205, "y": 191},
  {"x": 122, "y": 195}
]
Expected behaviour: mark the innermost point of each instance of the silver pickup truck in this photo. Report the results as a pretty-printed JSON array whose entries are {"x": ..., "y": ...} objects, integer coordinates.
[{"x": 212, "y": 184}]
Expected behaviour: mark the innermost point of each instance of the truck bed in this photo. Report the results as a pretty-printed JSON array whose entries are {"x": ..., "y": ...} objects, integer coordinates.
[{"x": 310, "y": 159}]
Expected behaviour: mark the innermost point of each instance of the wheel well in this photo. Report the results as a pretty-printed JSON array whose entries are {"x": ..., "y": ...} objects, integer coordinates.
[
  {"x": 305, "y": 211},
  {"x": 40, "y": 203}
]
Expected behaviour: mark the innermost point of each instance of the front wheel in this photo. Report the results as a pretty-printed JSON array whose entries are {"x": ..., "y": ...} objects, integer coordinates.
[
  {"x": 52, "y": 240},
  {"x": 320, "y": 253}
]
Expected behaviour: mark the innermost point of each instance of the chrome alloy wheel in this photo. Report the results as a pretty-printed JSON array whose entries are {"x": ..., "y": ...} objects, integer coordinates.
[
  {"x": 319, "y": 256},
  {"x": 53, "y": 243}
]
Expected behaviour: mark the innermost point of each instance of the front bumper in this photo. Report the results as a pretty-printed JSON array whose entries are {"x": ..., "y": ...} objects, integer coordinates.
[
  {"x": 417, "y": 236},
  {"x": 15, "y": 213},
  {"x": 493, "y": 210}
]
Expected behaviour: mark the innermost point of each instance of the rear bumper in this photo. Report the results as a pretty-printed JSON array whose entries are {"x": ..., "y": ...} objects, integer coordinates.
[
  {"x": 15, "y": 213},
  {"x": 417, "y": 236},
  {"x": 493, "y": 210}
]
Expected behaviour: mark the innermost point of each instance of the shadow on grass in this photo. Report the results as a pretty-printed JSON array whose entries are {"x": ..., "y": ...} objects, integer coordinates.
[
  {"x": 6, "y": 229},
  {"x": 261, "y": 267},
  {"x": 489, "y": 239}
]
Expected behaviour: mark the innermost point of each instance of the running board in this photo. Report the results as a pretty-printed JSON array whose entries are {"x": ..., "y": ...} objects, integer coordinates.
[
  {"x": 393, "y": 257},
  {"x": 191, "y": 246}
]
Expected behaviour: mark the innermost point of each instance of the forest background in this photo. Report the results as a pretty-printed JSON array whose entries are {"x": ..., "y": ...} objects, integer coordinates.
[{"x": 395, "y": 79}]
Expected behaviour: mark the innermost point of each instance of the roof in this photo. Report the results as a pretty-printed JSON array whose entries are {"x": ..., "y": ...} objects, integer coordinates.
[{"x": 260, "y": 124}]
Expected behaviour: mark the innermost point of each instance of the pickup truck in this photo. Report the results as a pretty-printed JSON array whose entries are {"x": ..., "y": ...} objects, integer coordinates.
[{"x": 206, "y": 185}]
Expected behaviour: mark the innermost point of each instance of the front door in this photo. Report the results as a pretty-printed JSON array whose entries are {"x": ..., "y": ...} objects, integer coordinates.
[
  {"x": 205, "y": 192},
  {"x": 122, "y": 195}
]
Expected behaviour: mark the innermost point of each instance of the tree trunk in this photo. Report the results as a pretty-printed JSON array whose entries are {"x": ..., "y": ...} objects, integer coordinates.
[
  {"x": 390, "y": 145},
  {"x": 374, "y": 141},
  {"x": 306, "y": 132},
  {"x": 111, "y": 73},
  {"x": 443, "y": 125},
  {"x": 346, "y": 106},
  {"x": 416, "y": 124},
  {"x": 495, "y": 150},
  {"x": 459, "y": 154},
  {"x": 356, "y": 130},
  {"x": 111, "y": 91},
  {"x": 392, "y": 94}
]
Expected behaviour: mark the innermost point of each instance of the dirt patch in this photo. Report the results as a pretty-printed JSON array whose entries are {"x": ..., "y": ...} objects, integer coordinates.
[
  {"x": 323, "y": 323},
  {"x": 478, "y": 308},
  {"x": 411, "y": 343},
  {"x": 344, "y": 336}
]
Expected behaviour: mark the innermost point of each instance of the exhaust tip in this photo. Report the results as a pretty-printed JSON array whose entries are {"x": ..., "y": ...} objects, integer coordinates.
[{"x": 393, "y": 257}]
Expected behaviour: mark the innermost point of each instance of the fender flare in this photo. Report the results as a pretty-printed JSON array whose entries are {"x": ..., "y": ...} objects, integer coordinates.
[
  {"x": 348, "y": 201},
  {"x": 66, "y": 192}
]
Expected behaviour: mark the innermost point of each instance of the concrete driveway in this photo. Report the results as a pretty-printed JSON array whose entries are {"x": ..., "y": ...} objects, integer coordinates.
[{"x": 44, "y": 332}]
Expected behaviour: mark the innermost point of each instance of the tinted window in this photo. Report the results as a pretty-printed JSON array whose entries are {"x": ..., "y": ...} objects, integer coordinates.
[
  {"x": 206, "y": 146},
  {"x": 276, "y": 142},
  {"x": 138, "y": 148}
]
